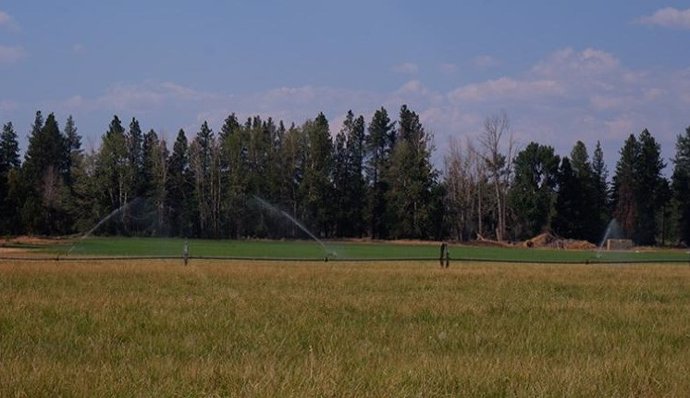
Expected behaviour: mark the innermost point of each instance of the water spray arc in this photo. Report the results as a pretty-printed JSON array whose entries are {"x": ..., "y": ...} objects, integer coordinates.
[
  {"x": 102, "y": 221},
  {"x": 273, "y": 209},
  {"x": 613, "y": 230}
]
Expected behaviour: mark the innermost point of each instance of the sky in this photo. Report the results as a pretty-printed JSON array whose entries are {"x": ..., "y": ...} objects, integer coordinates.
[{"x": 562, "y": 70}]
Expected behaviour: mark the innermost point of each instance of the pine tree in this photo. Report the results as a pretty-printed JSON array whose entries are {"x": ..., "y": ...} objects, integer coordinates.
[
  {"x": 624, "y": 197},
  {"x": 316, "y": 186},
  {"x": 149, "y": 148},
  {"x": 294, "y": 158},
  {"x": 665, "y": 219},
  {"x": 379, "y": 146},
  {"x": 348, "y": 180},
  {"x": 567, "y": 221},
  {"x": 259, "y": 146},
  {"x": 74, "y": 146},
  {"x": 274, "y": 136},
  {"x": 357, "y": 185},
  {"x": 588, "y": 224},
  {"x": 649, "y": 183},
  {"x": 135, "y": 142},
  {"x": 234, "y": 167},
  {"x": 9, "y": 192},
  {"x": 411, "y": 178},
  {"x": 341, "y": 182},
  {"x": 154, "y": 184},
  {"x": 681, "y": 185},
  {"x": 75, "y": 170},
  {"x": 44, "y": 174},
  {"x": 278, "y": 173},
  {"x": 35, "y": 135},
  {"x": 9, "y": 148},
  {"x": 602, "y": 201},
  {"x": 114, "y": 174},
  {"x": 88, "y": 201},
  {"x": 180, "y": 188},
  {"x": 203, "y": 155}
]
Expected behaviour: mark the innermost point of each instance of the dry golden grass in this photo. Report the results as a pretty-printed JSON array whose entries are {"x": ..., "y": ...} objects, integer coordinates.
[{"x": 336, "y": 329}]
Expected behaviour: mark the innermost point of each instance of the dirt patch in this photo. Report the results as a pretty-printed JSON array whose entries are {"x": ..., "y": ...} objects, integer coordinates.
[
  {"x": 487, "y": 243},
  {"x": 393, "y": 242},
  {"x": 551, "y": 241},
  {"x": 414, "y": 242},
  {"x": 12, "y": 250},
  {"x": 25, "y": 245},
  {"x": 34, "y": 240},
  {"x": 541, "y": 240},
  {"x": 572, "y": 244}
]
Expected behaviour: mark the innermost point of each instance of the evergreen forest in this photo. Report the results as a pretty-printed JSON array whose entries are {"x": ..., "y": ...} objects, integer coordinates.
[{"x": 363, "y": 179}]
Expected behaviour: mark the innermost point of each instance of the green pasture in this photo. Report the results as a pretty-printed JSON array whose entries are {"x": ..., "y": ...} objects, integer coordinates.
[{"x": 340, "y": 250}]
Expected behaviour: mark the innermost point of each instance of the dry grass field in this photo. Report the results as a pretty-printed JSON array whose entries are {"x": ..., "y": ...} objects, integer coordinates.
[{"x": 157, "y": 328}]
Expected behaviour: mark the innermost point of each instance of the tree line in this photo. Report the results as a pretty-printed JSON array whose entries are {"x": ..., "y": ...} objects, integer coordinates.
[{"x": 372, "y": 179}]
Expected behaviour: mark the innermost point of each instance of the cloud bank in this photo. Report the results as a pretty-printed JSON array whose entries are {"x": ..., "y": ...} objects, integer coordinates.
[
  {"x": 11, "y": 54},
  {"x": 668, "y": 17},
  {"x": 5, "y": 19},
  {"x": 407, "y": 68},
  {"x": 568, "y": 95}
]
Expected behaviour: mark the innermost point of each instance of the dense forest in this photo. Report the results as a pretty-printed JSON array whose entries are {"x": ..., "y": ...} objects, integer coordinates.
[{"x": 372, "y": 179}]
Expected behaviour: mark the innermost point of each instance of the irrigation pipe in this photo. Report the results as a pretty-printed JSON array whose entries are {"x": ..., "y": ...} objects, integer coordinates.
[{"x": 337, "y": 259}]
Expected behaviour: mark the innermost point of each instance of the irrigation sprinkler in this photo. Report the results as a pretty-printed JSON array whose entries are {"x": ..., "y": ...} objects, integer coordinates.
[
  {"x": 444, "y": 257},
  {"x": 185, "y": 252}
]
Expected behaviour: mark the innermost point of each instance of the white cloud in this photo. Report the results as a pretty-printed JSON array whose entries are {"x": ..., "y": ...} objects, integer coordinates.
[
  {"x": 5, "y": 19},
  {"x": 589, "y": 62},
  {"x": 9, "y": 54},
  {"x": 407, "y": 68},
  {"x": 600, "y": 102},
  {"x": 448, "y": 68},
  {"x": 7, "y": 22},
  {"x": 668, "y": 17},
  {"x": 641, "y": 97},
  {"x": 484, "y": 61},
  {"x": 147, "y": 95},
  {"x": 415, "y": 94},
  {"x": 413, "y": 87},
  {"x": 78, "y": 48},
  {"x": 652, "y": 94},
  {"x": 160, "y": 102},
  {"x": 621, "y": 126},
  {"x": 569, "y": 95},
  {"x": 506, "y": 88},
  {"x": 7, "y": 105},
  {"x": 125, "y": 96},
  {"x": 587, "y": 95},
  {"x": 291, "y": 104},
  {"x": 298, "y": 94}
]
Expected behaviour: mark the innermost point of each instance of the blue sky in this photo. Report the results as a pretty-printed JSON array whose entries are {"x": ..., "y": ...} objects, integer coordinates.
[{"x": 562, "y": 70}]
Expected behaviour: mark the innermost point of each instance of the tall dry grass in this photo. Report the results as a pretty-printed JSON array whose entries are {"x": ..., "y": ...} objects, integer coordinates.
[{"x": 338, "y": 329}]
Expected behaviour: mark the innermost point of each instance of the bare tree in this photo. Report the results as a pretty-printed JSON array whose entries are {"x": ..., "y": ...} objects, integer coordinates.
[
  {"x": 497, "y": 157},
  {"x": 465, "y": 176},
  {"x": 459, "y": 185},
  {"x": 479, "y": 172}
]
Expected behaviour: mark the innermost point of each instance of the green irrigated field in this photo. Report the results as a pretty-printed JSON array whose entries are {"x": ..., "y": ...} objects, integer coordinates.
[
  {"x": 273, "y": 249},
  {"x": 235, "y": 328}
]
